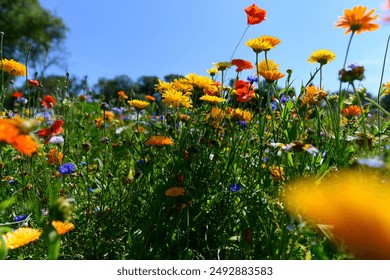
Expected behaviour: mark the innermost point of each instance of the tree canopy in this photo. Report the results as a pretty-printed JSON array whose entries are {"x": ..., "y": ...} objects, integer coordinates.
[{"x": 26, "y": 23}]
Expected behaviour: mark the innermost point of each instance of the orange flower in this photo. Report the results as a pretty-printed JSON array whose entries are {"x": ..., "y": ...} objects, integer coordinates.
[
  {"x": 271, "y": 76},
  {"x": 33, "y": 83},
  {"x": 159, "y": 141},
  {"x": 351, "y": 111},
  {"x": 244, "y": 90},
  {"x": 255, "y": 14},
  {"x": 356, "y": 20},
  {"x": 150, "y": 98},
  {"x": 62, "y": 227},
  {"x": 354, "y": 206},
  {"x": 17, "y": 94},
  {"x": 174, "y": 191},
  {"x": 122, "y": 94},
  {"x": 16, "y": 133},
  {"x": 242, "y": 64},
  {"x": 48, "y": 133},
  {"x": 49, "y": 101},
  {"x": 21, "y": 237},
  {"x": 54, "y": 156}
]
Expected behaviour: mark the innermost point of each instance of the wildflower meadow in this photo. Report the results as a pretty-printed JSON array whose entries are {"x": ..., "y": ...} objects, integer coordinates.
[{"x": 209, "y": 167}]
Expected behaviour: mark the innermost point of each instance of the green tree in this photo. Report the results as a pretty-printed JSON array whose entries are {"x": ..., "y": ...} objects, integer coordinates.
[
  {"x": 27, "y": 25},
  {"x": 147, "y": 84},
  {"x": 108, "y": 88}
]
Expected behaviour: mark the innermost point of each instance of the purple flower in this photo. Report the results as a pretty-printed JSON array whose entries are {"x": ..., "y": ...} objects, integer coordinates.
[
  {"x": 243, "y": 123},
  {"x": 67, "y": 168},
  {"x": 234, "y": 187}
]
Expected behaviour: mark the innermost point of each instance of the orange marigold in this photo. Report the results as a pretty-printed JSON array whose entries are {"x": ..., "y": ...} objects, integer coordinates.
[
  {"x": 159, "y": 141},
  {"x": 351, "y": 111},
  {"x": 16, "y": 133},
  {"x": 174, "y": 191},
  {"x": 242, "y": 64},
  {"x": 21, "y": 237},
  {"x": 356, "y": 20},
  {"x": 62, "y": 227},
  {"x": 54, "y": 156}
]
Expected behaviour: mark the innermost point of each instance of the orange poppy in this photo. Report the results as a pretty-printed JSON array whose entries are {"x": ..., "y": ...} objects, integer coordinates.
[
  {"x": 242, "y": 64},
  {"x": 255, "y": 14},
  {"x": 16, "y": 133}
]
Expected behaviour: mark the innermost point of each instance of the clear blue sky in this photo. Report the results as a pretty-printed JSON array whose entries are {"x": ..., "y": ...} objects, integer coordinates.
[{"x": 161, "y": 37}]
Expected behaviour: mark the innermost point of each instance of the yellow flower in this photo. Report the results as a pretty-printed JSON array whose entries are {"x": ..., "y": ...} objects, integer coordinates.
[
  {"x": 109, "y": 116},
  {"x": 240, "y": 115},
  {"x": 159, "y": 141},
  {"x": 213, "y": 71},
  {"x": 13, "y": 67},
  {"x": 21, "y": 237},
  {"x": 267, "y": 65},
  {"x": 62, "y": 227},
  {"x": 322, "y": 57},
  {"x": 138, "y": 104},
  {"x": 263, "y": 43},
  {"x": 176, "y": 98},
  {"x": 355, "y": 204},
  {"x": 162, "y": 86},
  {"x": 212, "y": 99},
  {"x": 174, "y": 191},
  {"x": 222, "y": 65},
  {"x": 204, "y": 83},
  {"x": 386, "y": 89},
  {"x": 277, "y": 172},
  {"x": 356, "y": 20}
]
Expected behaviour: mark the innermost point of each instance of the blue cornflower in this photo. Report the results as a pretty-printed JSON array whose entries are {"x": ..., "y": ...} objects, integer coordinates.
[
  {"x": 67, "y": 168},
  {"x": 140, "y": 162},
  {"x": 252, "y": 79},
  {"x": 20, "y": 218},
  {"x": 234, "y": 187},
  {"x": 242, "y": 123}
]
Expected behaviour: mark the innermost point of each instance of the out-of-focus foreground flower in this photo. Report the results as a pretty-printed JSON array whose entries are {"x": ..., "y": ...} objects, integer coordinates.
[
  {"x": 354, "y": 204},
  {"x": 357, "y": 20}
]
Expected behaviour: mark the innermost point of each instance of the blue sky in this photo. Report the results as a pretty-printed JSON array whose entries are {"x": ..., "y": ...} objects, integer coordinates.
[{"x": 135, "y": 38}]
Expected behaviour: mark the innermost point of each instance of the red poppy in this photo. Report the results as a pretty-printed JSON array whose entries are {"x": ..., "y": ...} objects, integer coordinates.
[
  {"x": 49, "y": 101},
  {"x": 34, "y": 83},
  {"x": 48, "y": 133},
  {"x": 244, "y": 91},
  {"x": 255, "y": 14},
  {"x": 17, "y": 94}
]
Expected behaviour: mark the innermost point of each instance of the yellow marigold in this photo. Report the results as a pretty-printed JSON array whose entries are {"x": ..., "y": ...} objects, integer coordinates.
[
  {"x": 162, "y": 86},
  {"x": 182, "y": 85},
  {"x": 353, "y": 204},
  {"x": 217, "y": 114},
  {"x": 263, "y": 43},
  {"x": 122, "y": 94},
  {"x": 204, "y": 83},
  {"x": 277, "y": 172},
  {"x": 313, "y": 95},
  {"x": 271, "y": 76},
  {"x": 351, "y": 111},
  {"x": 16, "y": 133},
  {"x": 356, "y": 20},
  {"x": 267, "y": 65},
  {"x": 386, "y": 89},
  {"x": 212, "y": 72},
  {"x": 240, "y": 115},
  {"x": 159, "y": 141},
  {"x": 21, "y": 237},
  {"x": 174, "y": 191},
  {"x": 138, "y": 104},
  {"x": 322, "y": 57},
  {"x": 212, "y": 99},
  {"x": 222, "y": 65},
  {"x": 176, "y": 98},
  {"x": 62, "y": 227},
  {"x": 13, "y": 67}
]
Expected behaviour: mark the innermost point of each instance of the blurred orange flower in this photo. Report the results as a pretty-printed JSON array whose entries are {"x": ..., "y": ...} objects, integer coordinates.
[
  {"x": 351, "y": 111},
  {"x": 54, "y": 156},
  {"x": 242, "y": 64},
  {"x": 356, "y": 20},
  {"x": 16, "y": 133},
  {"x": 254, "y": 14},
  {"x": 159, "y": 141},
  {"x": 355, "y": 205}
]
